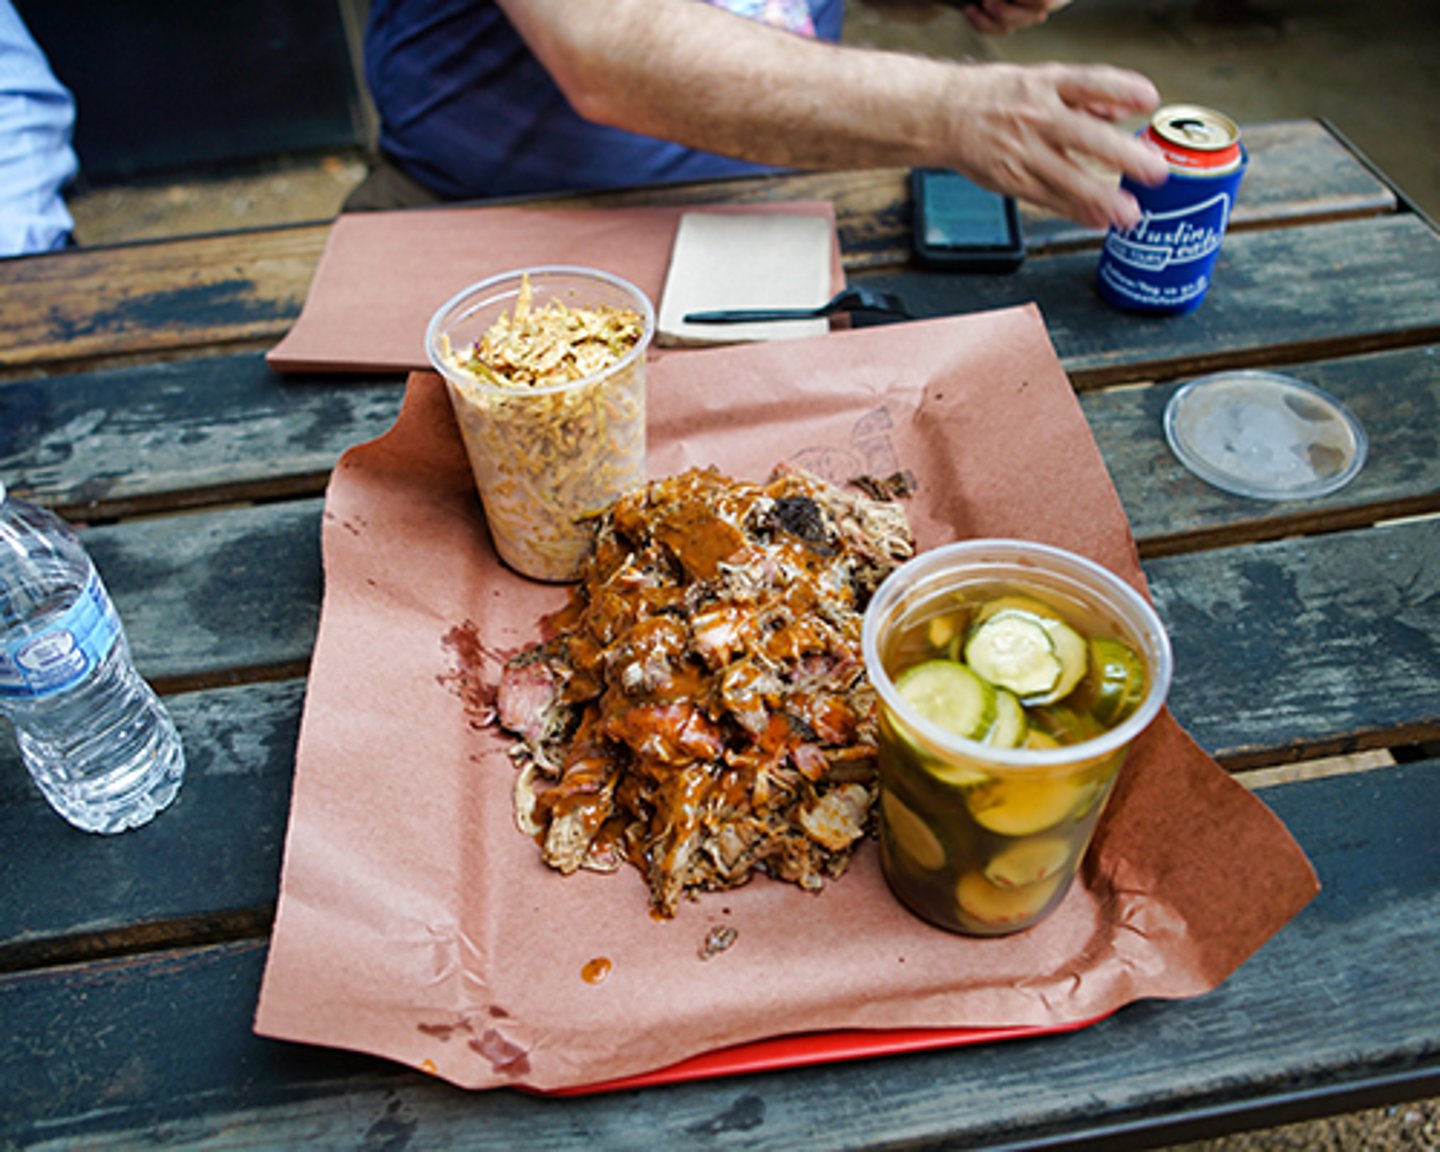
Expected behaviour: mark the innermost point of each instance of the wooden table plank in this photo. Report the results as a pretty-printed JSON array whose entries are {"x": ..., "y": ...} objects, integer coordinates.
[
  {"x": 1285, "y": 650},
  {"x": 244, "y": 289},
  {"x": 216, "y": 598},
  {"x": 177, "y": 435},
  {"x": 206, "y": 868},
  {"x": 174, "y": 435},
  {"x": 1335, "y": 1009},
  {"x": 1306, "y": 647},
  {"x": 1279, "y": 296},
  {"x": 1394, "y": 395},
  {"x": 1276, "y": 642},
  {"x": 199, "y": 292}
]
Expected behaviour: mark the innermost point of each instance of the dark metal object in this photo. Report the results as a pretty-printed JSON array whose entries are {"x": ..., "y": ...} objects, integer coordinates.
[{"x": 849, "y": 300}]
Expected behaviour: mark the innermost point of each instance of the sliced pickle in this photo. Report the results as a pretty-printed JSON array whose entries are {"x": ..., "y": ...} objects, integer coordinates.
[
  {"x": 1010, "y": 727},
  {"x": 1022, "y": 806},
  {"x": 957, "y": 775},
  {"x": 980, "y": 900},
  {"x": 1114, "y": 686},
  {"x": 1064, "y": 725},
  {"x": 950, "y": 696},
  {"x": 1013, "y": 650},
  {"x": 1074, "y": 656},
  {"x": 1094, "y": 791},
  {"x": 1013, "y": 602},
  {"x": 1068, "y": 649},
  {"x": 1039, "y": 739},
  {"x": 1029, "y": 862},
  {"x": 910, "y": 834}
]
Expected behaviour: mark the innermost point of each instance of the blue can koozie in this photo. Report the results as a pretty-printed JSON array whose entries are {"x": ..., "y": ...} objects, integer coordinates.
[{"x": 1166, "y": 262}]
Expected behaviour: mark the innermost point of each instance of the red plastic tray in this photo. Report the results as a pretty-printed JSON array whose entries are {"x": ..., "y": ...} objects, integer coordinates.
[{"x": 809, "y": 1048}]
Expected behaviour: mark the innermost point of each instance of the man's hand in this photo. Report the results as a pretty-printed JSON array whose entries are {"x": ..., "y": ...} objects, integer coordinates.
[
  {"x": 1001, "y": 17},
  {"x": 1044, "y": 134}
]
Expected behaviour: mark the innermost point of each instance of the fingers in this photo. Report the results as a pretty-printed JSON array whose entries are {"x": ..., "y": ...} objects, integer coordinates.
[
  {"x": 1097, "y": 96},
  {"x": 1001, "y": 17},
  {"x": 1079, "y": 193},
  {"x": 1047, "y": 134},
  {"x": 1116, "y": 91}
]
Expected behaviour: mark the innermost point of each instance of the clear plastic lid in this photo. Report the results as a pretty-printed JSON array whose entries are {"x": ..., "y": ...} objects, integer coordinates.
[{"x": 1264, "y": 435}]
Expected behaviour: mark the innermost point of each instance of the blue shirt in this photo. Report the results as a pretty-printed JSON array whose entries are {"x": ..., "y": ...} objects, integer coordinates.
[
  {"x": 468, "y": 111},
  {"x": 37, "y": 116}
]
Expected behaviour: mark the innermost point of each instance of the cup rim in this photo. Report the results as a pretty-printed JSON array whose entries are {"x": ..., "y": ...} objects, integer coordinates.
[
  {"x": 489, "y": 286},
  {"x": 1115, "y": 592}
]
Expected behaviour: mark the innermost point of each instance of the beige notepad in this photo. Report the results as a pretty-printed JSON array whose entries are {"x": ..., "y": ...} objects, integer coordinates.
[{"x": 725, "y": 261}]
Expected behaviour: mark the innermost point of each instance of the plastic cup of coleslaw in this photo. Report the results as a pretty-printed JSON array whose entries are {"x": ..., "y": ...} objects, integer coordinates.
[
  {"x": 545, "y": 369},
  {"x": 1012, "y": 677}
]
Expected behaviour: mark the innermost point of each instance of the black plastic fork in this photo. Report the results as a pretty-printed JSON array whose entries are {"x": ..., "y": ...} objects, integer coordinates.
[{"x": 850, "y": 300}]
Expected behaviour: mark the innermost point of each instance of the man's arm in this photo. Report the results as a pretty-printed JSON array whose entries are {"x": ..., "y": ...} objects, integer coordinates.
[{"x": 702, "y": 77}]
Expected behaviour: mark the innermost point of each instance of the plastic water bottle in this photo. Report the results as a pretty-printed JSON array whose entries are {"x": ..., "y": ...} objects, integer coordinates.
[{"x": 97, "y": 741}]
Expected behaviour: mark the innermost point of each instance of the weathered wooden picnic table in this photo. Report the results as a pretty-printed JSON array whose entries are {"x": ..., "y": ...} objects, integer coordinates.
[{"x": 134, "y": 399}]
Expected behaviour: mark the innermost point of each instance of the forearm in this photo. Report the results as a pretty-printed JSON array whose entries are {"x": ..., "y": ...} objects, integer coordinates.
[{"x": 702, "y": 77}]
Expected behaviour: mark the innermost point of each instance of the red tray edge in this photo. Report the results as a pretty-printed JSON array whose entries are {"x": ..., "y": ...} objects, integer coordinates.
[{"x": 810, "y": 1048}]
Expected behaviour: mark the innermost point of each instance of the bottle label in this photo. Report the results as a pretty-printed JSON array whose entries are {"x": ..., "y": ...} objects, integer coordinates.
[{"x": 67, "y": 651}]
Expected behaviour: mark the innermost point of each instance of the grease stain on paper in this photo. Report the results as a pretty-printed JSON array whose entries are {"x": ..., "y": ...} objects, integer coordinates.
[
  {"x": 469, "y": 680},
  {"x": 506, "y": 1056}
]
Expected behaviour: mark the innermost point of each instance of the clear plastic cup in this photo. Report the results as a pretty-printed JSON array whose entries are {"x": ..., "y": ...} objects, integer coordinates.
[
  {"x": 546, "y": 459},
  {"x": 985, "y": 839}
]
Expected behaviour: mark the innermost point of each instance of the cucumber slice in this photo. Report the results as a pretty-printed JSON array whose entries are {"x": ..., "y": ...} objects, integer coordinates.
[
  {"x": 1013, "y": 650},
  {"x": 1028, "y": 862},
  {"x": 1011, "y": 727},
  {"x": 1064, "y": 725},
  {"x": 950, "y": 696},
  {"x": 1115, "y": 683},
  {"x": 1022, "y": 806},
  {"x": 910, "y": 834},
  {"x": 1038, "y": 674},
  {"x": 1002, "y": 907},
  {"x": 1013, "y": 602},
  {"x": 1074, "y": 656}
]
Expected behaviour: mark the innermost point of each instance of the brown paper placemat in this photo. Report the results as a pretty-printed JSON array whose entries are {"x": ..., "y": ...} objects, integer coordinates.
[
  {"x": 415, "y": 922},
  {"x": 383, "y": 274}
]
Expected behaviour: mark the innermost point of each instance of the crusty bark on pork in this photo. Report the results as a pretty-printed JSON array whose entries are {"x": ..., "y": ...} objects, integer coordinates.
[{"x": 700, "y": 709}]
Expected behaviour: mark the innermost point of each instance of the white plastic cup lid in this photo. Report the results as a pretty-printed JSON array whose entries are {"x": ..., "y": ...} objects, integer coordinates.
[{"x": 1264, "y": 435}]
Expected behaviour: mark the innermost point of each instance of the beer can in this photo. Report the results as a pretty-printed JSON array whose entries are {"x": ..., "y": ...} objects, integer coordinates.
[{"x": 1166, "y": 262}]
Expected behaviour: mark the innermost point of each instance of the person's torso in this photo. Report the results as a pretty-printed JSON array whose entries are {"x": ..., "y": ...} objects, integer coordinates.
[{"x": 470, "y": 112}]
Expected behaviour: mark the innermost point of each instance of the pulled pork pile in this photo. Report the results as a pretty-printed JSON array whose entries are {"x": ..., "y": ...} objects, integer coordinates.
[{"x": 701, "y": 708}]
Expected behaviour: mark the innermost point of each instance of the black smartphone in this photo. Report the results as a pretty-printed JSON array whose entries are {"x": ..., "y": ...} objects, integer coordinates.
[{"x": 963, "y": 227}]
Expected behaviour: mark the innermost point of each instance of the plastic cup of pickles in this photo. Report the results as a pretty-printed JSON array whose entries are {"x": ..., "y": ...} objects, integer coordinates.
[
  {"x": 1012, "y": 677},
  {"x": 545, "y": 368}
]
